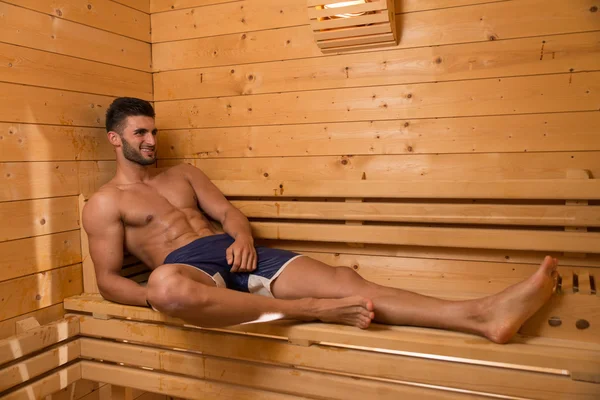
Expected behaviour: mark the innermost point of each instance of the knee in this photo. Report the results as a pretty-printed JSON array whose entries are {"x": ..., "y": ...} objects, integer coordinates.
[
  {"x": 168, "y": 289},
  {"x": 349, "y": 279}
]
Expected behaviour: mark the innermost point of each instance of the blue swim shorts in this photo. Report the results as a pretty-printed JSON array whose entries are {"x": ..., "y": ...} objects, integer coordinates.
[{"x": 208, "y": 255}]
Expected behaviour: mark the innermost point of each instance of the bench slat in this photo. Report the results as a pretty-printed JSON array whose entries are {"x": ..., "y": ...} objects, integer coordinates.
[
  {"x": 424, "y": 213},
  {"x": 231, "y": 349},
  {"x": 260, "y": 376},
  {"x": 553, "y": 189},
  {"x": 37, "y": 339},
  {"x": 582, "y": 242},
  {"x": 548, "y": 355},
  {"x": 38, "y": 365},
  {"x": 48, "y": 385},
  {"x": 173, "y": 385}
]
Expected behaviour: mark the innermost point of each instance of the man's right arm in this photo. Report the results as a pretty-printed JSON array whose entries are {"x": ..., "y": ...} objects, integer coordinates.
[{"x": 102, "y": 222}]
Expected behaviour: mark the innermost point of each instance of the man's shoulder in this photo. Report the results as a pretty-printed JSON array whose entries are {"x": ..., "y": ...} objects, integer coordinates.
[
  {"x": 104, "y": 200},
  {"x": 179, "y": 170}
]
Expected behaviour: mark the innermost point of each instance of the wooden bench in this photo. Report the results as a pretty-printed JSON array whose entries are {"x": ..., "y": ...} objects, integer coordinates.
[{"x": 456, "y": 240}]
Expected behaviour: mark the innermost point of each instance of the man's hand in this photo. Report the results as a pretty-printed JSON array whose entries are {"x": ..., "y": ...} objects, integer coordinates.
[{"x": 241, "y": 255}]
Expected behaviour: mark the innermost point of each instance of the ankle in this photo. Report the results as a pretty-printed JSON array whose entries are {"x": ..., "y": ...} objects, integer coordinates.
[{"x": 304, "y": 309}]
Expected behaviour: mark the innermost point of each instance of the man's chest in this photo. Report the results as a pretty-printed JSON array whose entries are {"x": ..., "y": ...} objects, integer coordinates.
[{"x": 144, "y": 202}]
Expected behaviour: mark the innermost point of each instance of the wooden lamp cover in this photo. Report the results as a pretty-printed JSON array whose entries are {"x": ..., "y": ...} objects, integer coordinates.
[{"x": 351, "y": 26}]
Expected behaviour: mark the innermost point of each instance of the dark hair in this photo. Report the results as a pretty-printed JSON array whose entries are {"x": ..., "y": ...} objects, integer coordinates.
[{"x": 124, "y": 107}]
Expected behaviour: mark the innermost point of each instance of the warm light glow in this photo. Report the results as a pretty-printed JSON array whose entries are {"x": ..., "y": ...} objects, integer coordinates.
[{"x": 346, "y": 4}]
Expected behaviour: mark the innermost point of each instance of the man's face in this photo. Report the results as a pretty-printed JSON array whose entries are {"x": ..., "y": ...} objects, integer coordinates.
[{"x": 139, "y": 141}]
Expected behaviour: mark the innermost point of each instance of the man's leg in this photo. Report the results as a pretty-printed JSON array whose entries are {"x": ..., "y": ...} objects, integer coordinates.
[
  {"x": 184, "y": 292},
  {"x": 497, "y": 317}
]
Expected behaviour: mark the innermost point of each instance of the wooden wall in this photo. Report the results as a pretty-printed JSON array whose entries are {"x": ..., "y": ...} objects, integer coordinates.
[
  {"x": 61, "y": 65},
  {"x": 476, "y": 89}
]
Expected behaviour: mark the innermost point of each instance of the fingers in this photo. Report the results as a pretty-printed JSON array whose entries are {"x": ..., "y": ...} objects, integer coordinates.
[
  {"x": 242, "y": 258},
  {"x": 229, "y": 255},
  {"x": 248, "y": 263}
]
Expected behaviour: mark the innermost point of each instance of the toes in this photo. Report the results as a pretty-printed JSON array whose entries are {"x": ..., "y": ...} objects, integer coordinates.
[
  {"x": 362, "y": 311},
  {"x": 548, "y": 264},
  {"x": 363, "y": 323}
]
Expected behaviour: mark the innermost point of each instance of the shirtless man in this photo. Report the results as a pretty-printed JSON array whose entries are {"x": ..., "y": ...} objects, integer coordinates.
[{"x": 155, "y": 214}]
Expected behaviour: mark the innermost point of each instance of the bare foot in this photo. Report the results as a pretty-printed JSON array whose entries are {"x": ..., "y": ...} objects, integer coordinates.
[
  {"x": 355, "y": 311},
  {"x": 504, "y": 313}
]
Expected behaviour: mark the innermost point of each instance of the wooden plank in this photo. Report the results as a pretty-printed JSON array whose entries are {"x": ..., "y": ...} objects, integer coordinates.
[
  {"x": 41, "y": 68},
  {"x": 106, "y": 15},
  {"x": 518, "y": 95},
  {"x": 502, "y": 189},
  {"x": 141, "y": 5},
  {"x": 257, "y": 46},
  {"x": 267, "y": 377},
  {"x": 157, "y": 6},
  {"x": 415, "y": 277},
  {"x": 525, "y": 354},
  {"x": 44, "y": 316},
  {"x": 32, "y": 180},
  {"x": 90, "y": 284},
  {"x": 31, "y": 255},
  {"x": 227, "y": 18},
  {"x": 38, "y": 217},
  {"x": 26, "y": 324},
  {"x": 584, "y": 283},
  {"x": 173, "y": 385},
  {"x": 472, "y": 167},
  {"x": 378, "y": 40},
  {"x": 406, "y": 6},
  {"x": 569, "y": 308},
  {"x": 152, "y": 396},
  {"x": 47, "y": 385},
  {"x": 422, "y": 213},
  {"x": 500, "y": 58},
  {"x": 30, "y": 368},
  {"x": 28, "y": 28},
  {"x": 36, "y": 339},
  {"x": 372, "y": 29},
  {"x": 50, "y": 106},
  {"x": 420, "y": 236},
  {"x": 522, "y": 353},
  {"x": 93, "y": 175},
  {"x": 81, "y": 389},
  {"x": 509, "y": 257},
  {"x": 121, "y": 393},
  {"x": 32, "y": 292},
  {"x": 497, "y": 134},
  {"x": 480, "y": 23},
  {"x": 24, "y": 142},
  {"x": 500, "y": 381}
]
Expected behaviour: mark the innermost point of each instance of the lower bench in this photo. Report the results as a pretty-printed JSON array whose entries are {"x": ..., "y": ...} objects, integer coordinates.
[{"x": 143, "y": 349}]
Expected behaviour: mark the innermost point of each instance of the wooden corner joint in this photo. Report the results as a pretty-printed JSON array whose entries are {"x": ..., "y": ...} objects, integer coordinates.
[
  {"x": 101, "y": 316},
  {"x": 26, "y": 324}
]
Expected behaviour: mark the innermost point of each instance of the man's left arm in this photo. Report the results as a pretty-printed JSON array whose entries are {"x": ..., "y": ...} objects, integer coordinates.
[{"x": 241, "y": 255}]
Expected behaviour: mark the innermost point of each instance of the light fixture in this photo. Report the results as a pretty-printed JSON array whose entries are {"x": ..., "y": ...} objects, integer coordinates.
[
  {"x": 345, "y": 4},
  {"x": 341, "y": 26}
]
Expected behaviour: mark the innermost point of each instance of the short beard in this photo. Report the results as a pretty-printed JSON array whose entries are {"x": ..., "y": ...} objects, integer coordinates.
[{"x": 134, "y": 155}]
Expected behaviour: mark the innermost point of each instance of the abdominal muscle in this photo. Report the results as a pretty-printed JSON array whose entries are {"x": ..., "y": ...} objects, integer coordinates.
[{"x": 163, "y": 234}]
